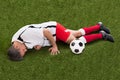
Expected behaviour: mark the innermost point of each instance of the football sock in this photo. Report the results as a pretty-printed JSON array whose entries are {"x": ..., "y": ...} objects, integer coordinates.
[
  {"x": 92, "y": 37},
  {"x": 90, "y": 29}
]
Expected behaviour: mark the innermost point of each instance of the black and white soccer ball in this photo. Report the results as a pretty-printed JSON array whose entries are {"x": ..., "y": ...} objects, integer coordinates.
[{"x": 77, "y": 46}]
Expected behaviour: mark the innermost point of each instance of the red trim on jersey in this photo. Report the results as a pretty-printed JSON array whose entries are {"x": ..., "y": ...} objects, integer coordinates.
[{"x": 61, "y": 34}]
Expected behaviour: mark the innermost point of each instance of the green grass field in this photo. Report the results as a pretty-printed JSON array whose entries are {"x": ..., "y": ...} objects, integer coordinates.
[{"x": 99, "y": 61}]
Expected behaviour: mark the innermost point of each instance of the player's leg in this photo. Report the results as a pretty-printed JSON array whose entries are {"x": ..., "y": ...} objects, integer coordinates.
[
  {"x": 97, "y": 27},
  {"x": 70, "y": 38},
  {"x": 75, "y": 33},
  {"x": 87, "y": 30},
  {"x": 93, "y": 37},
  {"x": 62, "y": 34},
  {"x": 66, "y": 35}
]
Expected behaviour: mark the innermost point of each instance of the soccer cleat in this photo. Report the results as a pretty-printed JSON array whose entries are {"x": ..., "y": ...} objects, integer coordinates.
[
  {"x": 102, "y": 27},
  {"x": 107, "y": 36}
]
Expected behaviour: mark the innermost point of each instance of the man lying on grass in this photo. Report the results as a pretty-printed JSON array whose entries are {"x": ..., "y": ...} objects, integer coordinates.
[{"x": 36, "y": 36}]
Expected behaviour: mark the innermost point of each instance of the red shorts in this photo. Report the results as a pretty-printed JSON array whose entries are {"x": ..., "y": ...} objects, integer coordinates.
[{"x": 61, "y": 33}]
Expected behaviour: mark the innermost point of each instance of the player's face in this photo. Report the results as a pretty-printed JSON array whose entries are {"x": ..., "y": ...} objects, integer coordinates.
[
  {"x": 20, "y": 47},
  {"x": 22, "y": 50}
]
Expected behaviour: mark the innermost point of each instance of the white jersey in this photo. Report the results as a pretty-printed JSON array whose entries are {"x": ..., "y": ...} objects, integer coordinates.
[{"x": 32, "y": 35}]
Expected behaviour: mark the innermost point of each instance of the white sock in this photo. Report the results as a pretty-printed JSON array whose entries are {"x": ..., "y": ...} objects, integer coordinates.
[
  {"x": 82, "y": 31},
  {"x": 82, "y": 38}
]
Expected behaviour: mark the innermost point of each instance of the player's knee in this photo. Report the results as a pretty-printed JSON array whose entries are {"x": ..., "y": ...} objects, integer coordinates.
[{"x": 70, "y": 38}]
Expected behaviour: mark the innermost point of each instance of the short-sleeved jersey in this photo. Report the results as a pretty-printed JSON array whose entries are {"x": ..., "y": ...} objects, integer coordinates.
[{"x": 32, "y": 35}]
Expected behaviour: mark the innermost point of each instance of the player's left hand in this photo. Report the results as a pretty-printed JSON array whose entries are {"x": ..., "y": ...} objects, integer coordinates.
[{"x": 54, "y": 51}]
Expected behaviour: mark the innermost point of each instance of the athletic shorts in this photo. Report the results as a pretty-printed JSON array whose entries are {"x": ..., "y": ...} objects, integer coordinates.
[{"x": 61, "y": 33}]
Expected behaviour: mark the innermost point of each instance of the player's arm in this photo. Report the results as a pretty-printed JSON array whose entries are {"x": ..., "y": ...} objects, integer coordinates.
[{"x": 54, "y": 49}]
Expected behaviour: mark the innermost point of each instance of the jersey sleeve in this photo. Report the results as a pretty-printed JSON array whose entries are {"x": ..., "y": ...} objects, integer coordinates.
[{"x": 18, "y": 33}]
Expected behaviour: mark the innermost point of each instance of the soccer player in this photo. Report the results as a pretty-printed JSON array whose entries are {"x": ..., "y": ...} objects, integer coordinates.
[{"x": 36, "y": 36}]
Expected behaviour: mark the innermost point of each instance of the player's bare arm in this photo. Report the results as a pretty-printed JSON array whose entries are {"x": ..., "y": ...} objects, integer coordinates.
[{"x": 54, "y": 49}]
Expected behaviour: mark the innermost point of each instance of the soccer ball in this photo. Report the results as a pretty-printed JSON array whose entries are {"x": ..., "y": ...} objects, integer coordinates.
[{"x": 77, "y": 46}]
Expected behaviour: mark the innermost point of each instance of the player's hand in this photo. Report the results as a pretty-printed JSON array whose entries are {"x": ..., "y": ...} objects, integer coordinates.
[
  {"x": 37, "y": 47},
  {"x": 54, "y": 51}
]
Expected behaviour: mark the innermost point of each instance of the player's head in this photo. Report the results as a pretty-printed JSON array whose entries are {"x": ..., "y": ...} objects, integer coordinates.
[
  {"x": 17, "y": 51},
  {"x": 14, "y": 54}
]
